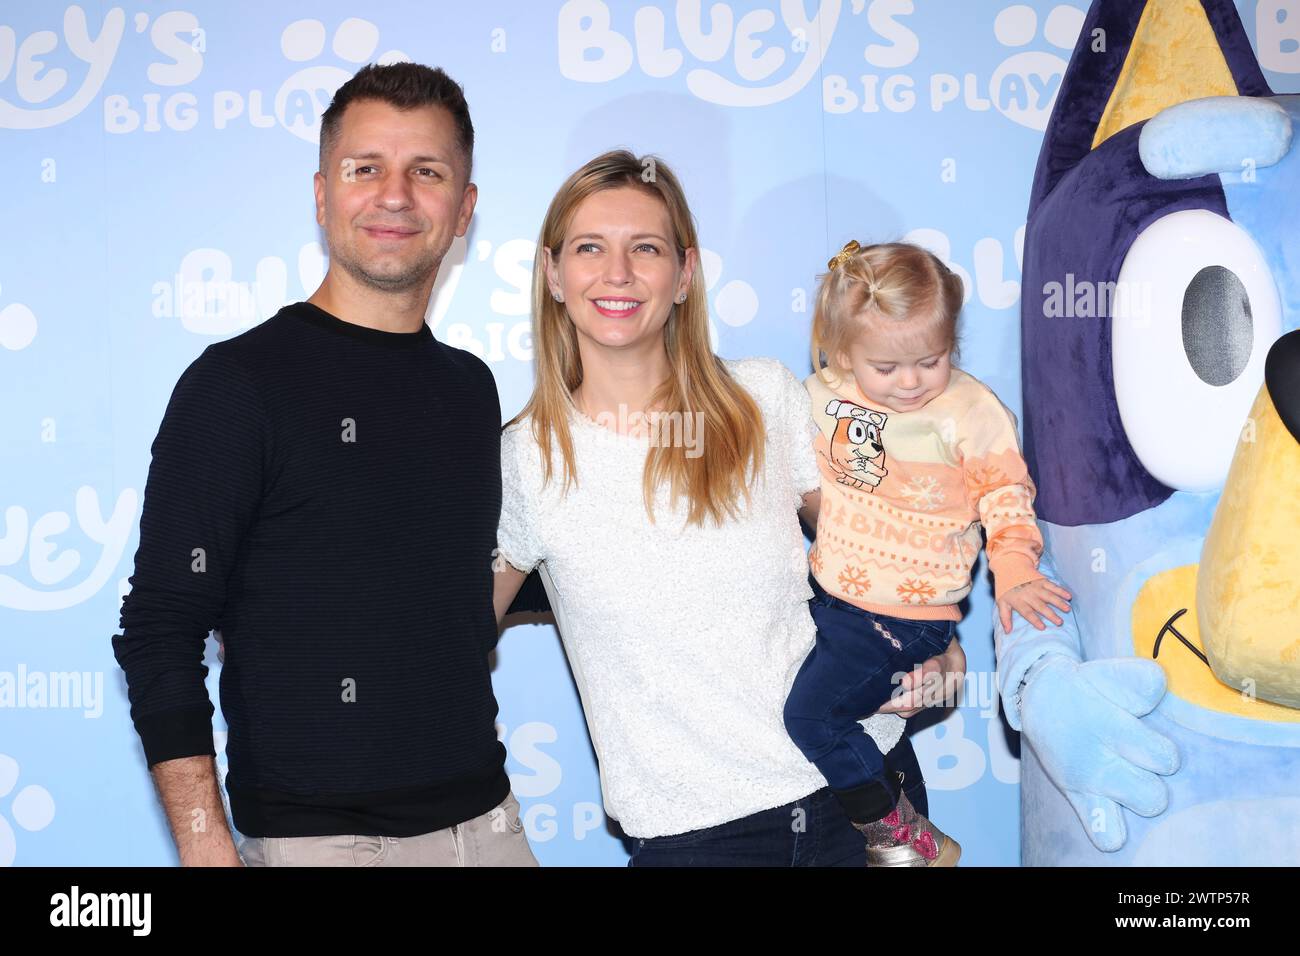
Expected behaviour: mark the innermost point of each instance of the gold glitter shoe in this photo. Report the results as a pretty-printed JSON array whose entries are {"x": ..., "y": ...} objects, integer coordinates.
[{"x": 906, "y": 838}]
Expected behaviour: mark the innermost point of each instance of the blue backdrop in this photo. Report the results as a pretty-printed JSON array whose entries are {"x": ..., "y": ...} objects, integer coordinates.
[{"x": 157, "y": 196}]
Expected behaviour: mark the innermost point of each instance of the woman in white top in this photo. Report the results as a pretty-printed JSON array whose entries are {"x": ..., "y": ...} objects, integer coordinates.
[{"x": 661, "y": 485}]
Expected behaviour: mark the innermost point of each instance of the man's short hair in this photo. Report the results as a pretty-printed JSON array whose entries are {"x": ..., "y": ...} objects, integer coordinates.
[{"x": 404, "y": 86}]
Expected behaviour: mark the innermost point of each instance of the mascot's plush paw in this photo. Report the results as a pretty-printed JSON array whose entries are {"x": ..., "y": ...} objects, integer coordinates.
[{"x": 1083, "y": 721}]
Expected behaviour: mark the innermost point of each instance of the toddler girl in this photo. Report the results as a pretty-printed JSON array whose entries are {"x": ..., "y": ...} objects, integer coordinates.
[{"x": 915, "y": 456}]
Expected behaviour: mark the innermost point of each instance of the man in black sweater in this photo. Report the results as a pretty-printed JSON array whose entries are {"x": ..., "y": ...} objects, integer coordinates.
[{"x": 325, "y": 490}]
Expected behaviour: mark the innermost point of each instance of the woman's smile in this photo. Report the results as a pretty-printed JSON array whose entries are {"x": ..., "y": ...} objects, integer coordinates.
[{"x": 617, "y": 307}]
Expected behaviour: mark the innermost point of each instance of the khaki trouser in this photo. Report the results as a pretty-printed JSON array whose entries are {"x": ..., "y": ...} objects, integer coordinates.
[{"x": 495, "y": 838}]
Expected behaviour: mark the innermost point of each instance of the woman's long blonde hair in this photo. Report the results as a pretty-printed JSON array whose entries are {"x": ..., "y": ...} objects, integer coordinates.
[{"x": 732, "y": 436}]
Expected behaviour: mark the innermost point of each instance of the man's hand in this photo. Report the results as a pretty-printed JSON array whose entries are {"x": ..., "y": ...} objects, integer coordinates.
[
  {"x": 188, "y": 790},
  {"x": 1034, "y": 600},
  {"x": 935, "y": 682}
]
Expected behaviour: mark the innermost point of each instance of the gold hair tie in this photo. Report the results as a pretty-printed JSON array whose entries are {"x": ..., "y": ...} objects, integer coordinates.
[{"x": 845, "y": 254}]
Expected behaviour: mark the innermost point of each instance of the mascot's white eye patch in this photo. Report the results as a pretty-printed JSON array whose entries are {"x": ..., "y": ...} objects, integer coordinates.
[{"x": 1194, "y": 311}]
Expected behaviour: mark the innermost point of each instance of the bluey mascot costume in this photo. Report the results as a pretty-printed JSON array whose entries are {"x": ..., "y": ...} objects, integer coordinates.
[{"x": 1161, "y": 392}]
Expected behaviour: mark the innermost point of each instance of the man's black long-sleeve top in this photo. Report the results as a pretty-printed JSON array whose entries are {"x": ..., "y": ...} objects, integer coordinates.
[{"x": 327, "y": 495}]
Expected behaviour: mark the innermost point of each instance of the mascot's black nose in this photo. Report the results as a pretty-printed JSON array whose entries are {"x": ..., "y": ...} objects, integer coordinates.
[{"x": 1282, "y": 378}]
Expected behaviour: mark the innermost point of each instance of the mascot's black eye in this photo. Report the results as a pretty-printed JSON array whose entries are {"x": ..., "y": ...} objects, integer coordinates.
[
  {"x": 857, "y": 432},
  {"x": 1218, "y": 331}
]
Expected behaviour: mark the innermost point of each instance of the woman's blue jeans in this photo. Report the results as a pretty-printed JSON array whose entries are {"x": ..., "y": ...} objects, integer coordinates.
[
  {"x": 812, "y": 831},
  {"x": 853, "y": 668}
]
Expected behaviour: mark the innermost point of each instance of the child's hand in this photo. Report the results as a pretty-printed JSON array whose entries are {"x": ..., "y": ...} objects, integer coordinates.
[{"x": 1032, "y": 599}]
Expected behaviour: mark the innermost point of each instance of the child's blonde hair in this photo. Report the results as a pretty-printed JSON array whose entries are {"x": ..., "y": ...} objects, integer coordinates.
[{"x": 889, "y": 287}]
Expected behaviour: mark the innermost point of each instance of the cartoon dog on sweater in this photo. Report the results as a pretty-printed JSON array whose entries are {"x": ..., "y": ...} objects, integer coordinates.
[{"x": 857, "y": 453}]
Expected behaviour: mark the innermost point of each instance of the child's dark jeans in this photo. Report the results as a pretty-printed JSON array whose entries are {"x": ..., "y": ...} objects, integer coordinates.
[{"x": 854, "y": 667}]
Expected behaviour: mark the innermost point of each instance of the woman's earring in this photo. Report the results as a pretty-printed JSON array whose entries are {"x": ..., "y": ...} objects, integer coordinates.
[
  {"x": 681, "y": 298},
  {"x": 559, "y": 296}
]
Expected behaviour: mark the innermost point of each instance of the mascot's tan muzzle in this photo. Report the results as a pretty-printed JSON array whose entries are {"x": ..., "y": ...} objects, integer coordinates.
[
  {"x": 1227, "y": 631},
  {"x": 1247, "y": 589}
]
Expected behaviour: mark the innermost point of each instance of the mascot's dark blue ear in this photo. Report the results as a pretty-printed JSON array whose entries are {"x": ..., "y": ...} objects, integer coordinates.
[{"x": 1132, "y": 60}]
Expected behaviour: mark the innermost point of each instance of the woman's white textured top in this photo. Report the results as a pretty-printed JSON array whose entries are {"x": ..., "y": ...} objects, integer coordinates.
[{"x": 684, "y": 641}]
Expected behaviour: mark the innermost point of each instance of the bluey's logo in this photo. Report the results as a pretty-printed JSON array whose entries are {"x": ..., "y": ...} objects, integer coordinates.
[
  {"x": 75, "y": 908},
  {"x": 529, "y": 747},
  {"x": 45, "y": 66},
  {"x": 48, "y": 78},
  {"x": 1022, "y": 87},
  {"x": 51, "y": 563},
  {"x": 734, "y": 302},
  {"x": 772, "y": 62},
  {"x": 25, "y": 61},
  {"x": 209, "y": 299}
]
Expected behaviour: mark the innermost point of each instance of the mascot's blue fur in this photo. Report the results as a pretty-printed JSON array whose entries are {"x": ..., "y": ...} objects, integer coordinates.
[{"x": 1161, "y": 290}]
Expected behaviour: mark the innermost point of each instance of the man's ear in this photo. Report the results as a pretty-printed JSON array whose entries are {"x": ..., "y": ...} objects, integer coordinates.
[
  {"x": 467, "y": 203},
  {"x": 318, "y": 187},
  {"x": 1135, "y": 58}
]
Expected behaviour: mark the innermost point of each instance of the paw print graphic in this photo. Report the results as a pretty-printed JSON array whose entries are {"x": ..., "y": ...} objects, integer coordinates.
[
  {"x": 1023, "y": 87},
  {"x": 735, "y": 303},
  {"x": 32, "y": 808},
  {"x": 17, "y": 327},
  {"x": 306, "y": 95}
]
